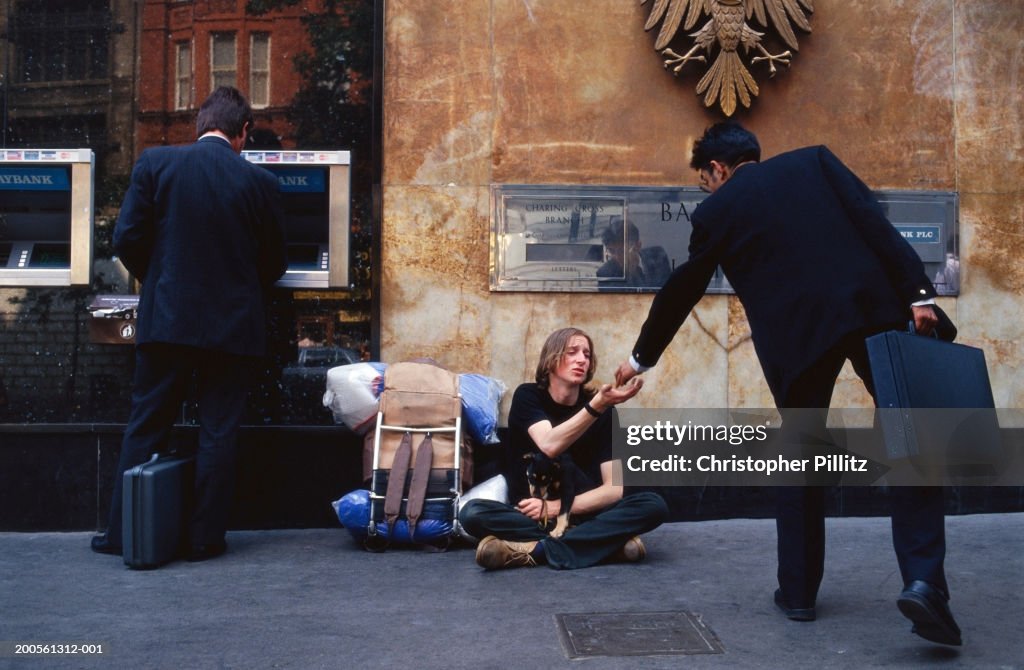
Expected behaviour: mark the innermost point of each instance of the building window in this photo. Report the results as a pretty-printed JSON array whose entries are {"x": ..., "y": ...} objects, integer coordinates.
[
  {"x": 60, "y": 40},
  {"x": 223, "y": 68},
  {"x": 259, "y": 70},
  {"x": 183, "y": 76}
]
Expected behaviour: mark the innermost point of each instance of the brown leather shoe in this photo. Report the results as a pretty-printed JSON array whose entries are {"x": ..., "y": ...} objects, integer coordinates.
[
  {"x": 495, "y": 554},
  {"x": 631, "y": 552}
]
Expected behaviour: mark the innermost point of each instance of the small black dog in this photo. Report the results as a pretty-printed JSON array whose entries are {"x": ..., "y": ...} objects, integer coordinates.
[{"x": 552, "y": 479}]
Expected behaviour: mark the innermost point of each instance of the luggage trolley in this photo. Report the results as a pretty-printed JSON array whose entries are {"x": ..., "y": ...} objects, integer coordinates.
[{"x": 417, "y": 460}]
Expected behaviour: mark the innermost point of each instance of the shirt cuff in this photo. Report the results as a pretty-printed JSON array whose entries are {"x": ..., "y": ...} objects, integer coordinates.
[
  {"x": 636, "y": 366},
  {"x": 922, "y": 303}
]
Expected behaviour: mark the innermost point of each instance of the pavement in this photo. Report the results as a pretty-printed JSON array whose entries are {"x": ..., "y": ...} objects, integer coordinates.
[{"x": 316, "y": 599}]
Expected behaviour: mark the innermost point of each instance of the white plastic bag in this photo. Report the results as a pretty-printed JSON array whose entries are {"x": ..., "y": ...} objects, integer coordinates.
[
  {"x": 495, "y": 488},
  {"x": 352, "y": 394}
]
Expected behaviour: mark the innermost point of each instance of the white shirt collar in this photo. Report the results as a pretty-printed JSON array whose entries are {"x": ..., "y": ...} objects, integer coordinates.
[{"x": 217, "y": 134}]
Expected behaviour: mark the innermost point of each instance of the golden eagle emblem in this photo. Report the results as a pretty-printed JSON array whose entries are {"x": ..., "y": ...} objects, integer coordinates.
[{"x": 728, "y": 78}]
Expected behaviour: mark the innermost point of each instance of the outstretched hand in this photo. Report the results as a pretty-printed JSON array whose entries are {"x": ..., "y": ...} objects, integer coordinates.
[{"x": 609, "y": 395}]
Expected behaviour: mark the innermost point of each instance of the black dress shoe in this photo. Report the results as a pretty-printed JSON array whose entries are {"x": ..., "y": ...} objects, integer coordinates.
[
  {"x": 204, "y": 552},
  {"x": 927, "y": 607},
  {"x": 101, "y": 544},
  {"x": 794, "y": 613}
]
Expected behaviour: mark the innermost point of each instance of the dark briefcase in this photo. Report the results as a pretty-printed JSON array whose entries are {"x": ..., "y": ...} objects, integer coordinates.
[
  {"x": 934, "y": 398},
  {"x": 157, "y": 507}
]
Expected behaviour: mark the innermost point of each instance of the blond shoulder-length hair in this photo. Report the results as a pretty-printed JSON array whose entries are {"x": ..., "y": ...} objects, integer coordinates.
[{"x": 554, "y": 348}]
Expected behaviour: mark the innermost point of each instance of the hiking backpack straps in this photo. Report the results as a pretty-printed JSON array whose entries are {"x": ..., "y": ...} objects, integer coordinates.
[
  {"x": 418, "y": 485},
  {"x": 396, "y": 481}
]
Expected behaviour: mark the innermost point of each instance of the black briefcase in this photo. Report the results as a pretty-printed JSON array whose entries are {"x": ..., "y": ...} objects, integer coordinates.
[
  {"x": 157, "y": 506},
  {"x": 934, "y": 399}
]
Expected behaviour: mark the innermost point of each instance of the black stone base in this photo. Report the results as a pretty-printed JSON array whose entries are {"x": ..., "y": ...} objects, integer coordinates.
[
  {"x": 59, "y": 478},
  {"x": 56, "y": 477}
]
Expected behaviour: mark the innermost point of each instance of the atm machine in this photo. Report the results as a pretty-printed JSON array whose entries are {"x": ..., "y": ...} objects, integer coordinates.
[
  {"x": 315, "y": 189},
  {"x": 46, "y": 217}
]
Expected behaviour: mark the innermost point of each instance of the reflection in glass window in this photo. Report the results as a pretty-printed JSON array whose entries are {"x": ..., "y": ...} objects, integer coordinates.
[
  {"x": 60, "y": 40},
  {"x": 87, "y": 130},
  {"x": 183, "y": 78},
  {"x": 259, "y": 70},
  {"x": 222, "y": 64}
]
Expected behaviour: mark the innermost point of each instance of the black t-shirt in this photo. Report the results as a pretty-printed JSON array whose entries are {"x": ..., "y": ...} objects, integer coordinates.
[{"x": 530, "y": 404}]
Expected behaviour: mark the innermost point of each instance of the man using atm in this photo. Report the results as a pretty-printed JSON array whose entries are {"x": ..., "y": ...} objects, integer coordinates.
[{"x": 202, "y": 229}]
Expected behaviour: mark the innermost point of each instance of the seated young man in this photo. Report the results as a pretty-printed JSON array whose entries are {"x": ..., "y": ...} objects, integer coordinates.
[{"x": 558, "y": 415}]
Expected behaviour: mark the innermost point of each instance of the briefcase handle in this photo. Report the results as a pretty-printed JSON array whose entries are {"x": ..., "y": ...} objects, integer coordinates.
[
  {"x": 944, "y": 330},
  {"x": 913, "y": 331}
]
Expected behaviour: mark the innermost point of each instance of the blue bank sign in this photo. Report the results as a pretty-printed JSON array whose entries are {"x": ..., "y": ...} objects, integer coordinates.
[
  {"x": 300, "y": 180},
  {"x": 34, "y": 179}
]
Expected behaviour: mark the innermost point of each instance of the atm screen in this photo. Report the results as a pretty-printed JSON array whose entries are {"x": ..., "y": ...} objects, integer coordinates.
[
  {"x": 5, "y": 253},
  {"x": 49, "y": 255},
  {"x": 305, "y": 199},
  {"x": 307, "y": 257}
]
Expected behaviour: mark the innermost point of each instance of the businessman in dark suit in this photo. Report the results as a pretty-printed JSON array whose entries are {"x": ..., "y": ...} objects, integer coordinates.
[
  {"x": 201, "y": 227},
  {"x": 818, "y": 268}
]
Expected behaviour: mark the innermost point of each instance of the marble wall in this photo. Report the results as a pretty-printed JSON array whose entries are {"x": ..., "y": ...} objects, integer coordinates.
[{"x": 917, "y": 94}]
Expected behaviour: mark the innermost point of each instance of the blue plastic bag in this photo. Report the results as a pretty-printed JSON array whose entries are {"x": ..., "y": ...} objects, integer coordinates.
[
  {"x": 481, "y": 396},
  {"x": 353, "y": 510}
]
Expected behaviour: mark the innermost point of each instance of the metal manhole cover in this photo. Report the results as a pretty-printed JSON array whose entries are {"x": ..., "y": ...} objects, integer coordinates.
[{"x": 635, "y": 634}]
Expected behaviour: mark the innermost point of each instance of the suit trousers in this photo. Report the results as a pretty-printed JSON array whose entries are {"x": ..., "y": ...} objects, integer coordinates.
[
  {"x": 164, "y": 374},
  {"x": 591, "y": 540},
  {"x": 918, "y": 513}
]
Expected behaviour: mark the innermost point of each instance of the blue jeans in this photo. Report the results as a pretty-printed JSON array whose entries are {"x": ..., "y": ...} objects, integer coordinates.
[{"x": 591, "y": 540}]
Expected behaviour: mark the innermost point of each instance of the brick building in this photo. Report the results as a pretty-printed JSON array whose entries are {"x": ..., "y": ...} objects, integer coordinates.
[{"x": 192, "y": 46}]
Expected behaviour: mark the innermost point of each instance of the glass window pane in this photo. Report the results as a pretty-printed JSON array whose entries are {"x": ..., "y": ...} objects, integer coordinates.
[
  {"x": 77, "y": 59},
  {"x": 260, "y": 51},
  {"x": 259, "y": 90},
  {"x": 222, "y": 60},
  {"x": 184, "y": 59},
  {"x": 223, "y": 51},
  {"x": 223, "y": 79},
  {"x": 183, "y": 83},
  {"x": 98, "y": 61},
  {"x": 259, "y": 66}
]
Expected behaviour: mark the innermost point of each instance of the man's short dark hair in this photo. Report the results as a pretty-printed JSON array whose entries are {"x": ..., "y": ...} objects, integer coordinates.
[
  {"x": 728, "y": 143},
  {"x": 225, "y": 110}
]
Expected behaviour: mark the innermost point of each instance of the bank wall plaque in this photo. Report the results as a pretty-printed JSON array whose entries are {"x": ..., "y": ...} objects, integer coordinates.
[
  {"x": 726, "y": 43},
  {"x": 628, "y": 239}
]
